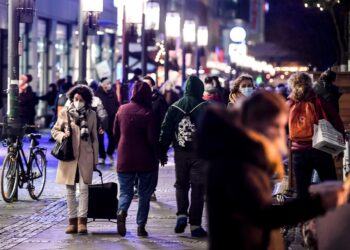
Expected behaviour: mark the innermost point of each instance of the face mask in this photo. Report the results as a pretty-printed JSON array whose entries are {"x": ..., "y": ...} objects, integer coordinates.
[
  {"x": 248, "y": 91},
  {"x": 78, "y": 104}
]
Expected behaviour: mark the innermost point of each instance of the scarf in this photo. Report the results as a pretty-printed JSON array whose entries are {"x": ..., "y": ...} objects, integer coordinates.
[
  {"x": 272, "y": 154},
  {"x": 80, "y": 119}
]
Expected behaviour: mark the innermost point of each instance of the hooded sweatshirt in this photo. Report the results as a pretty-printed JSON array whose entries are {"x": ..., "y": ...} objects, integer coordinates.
[
  {"x": 193, "y": 96},
  {"x": 135, "y": 132}
]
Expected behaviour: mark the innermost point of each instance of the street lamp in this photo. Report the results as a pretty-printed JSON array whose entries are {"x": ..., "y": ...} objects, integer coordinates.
[
  {"x": 172, "y": 32},
  {"x": 189, "y": 38},
  {"x": 202, "y": 42},
  {"x": 150, "y": 25},
  {"x": 88, "y": 19}
]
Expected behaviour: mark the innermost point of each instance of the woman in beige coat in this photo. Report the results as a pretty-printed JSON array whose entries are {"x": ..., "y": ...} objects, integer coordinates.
[{"x": 85, "y": 146}]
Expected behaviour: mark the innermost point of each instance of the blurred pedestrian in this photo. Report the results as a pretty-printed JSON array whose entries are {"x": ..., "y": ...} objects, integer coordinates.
[
  {"x": 223, "y": 92},
  {"x": 326, "y": 88},
  {"x": 85, "y": 146},
  {"x": 110, "y": 103},
  {"x": 27, "y": 100},
  {"x": 243, "y": 157},
  {"x": 211, "y": 93},
  {"x": 283, "y": 90},
  {"x": 159, "y": 107},
  {"x": 306, "y": 109},
  {"x": 94, "y": 85},
  {"x": 136, "y": 78},
  {"x": 243, "y": 86},
  {"x": 178, "y": 129},
  {"x": 50, "y": 97},
  {"x": 169, "y": 94},
  {"x": 136, "y": 138}
]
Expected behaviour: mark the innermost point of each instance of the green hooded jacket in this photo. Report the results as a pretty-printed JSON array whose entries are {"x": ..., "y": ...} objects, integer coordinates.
[{"x": 193, "y": 96}]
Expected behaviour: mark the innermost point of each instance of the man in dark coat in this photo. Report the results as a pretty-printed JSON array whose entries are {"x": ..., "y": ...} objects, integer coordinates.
[
  {"x": 243, "y": 160},
  {"x": 159, "y": 107},
  {"x": 135, "y": 134},
  {"x": 27, "y": 100},
  {"x": 110, "y": 103},
  {"x": 178, "y": 129}
]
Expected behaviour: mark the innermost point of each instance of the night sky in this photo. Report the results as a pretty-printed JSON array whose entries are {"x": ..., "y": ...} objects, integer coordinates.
[{"x": 309, "y": 33}]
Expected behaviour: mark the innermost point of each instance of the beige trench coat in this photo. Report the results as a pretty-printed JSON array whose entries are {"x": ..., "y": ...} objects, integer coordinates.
[{"x": 85, "y": 152}]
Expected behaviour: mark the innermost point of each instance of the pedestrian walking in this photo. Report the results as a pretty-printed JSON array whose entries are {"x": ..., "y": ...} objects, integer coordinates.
[
  {"x": 159, "y": 108},
  {"x": 243, "y": 157},
  {"x": 136, "y": 139},
  {"x": 110, "y": 103},
  {"x": 306, "y": 109},
  {"x": 178, "y": 129},
  {"x": 85, "y": 146},
  {"x": 243, "y": 87}
]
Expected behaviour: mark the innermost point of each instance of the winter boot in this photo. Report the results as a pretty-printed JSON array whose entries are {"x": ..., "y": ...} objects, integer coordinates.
[
  {"x": 72, "y": 227},
  {"x": 141, "y": 231},
  {"x": 121, "y": 218},
  {"x": 82, "y": 228}
]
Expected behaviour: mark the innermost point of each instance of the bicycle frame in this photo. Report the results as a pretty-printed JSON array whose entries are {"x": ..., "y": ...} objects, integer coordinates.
[{"x": 21, "y": 157}]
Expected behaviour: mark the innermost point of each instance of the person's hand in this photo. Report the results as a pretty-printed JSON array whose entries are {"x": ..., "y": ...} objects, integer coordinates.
[
  {"x": 333, "y": 193},
  {"x": 101, "y": 131},
  {"x": 66, "y": 134},
  {"x": 163, "y": 160}
]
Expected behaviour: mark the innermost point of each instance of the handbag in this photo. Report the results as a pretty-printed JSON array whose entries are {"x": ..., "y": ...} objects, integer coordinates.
[{"x": 63, "y": 151}]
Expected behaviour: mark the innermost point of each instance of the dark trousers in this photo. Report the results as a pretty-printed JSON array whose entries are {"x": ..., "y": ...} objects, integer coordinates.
[
  {"x": 145, "y": 190},
  {"x": 101, "y": 145},
  {"x": 304, "y": 162},
  {"x": 190, "y": 174}
]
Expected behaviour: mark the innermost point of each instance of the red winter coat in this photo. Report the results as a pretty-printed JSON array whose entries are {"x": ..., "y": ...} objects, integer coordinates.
[{"x": 135, "y": 133}]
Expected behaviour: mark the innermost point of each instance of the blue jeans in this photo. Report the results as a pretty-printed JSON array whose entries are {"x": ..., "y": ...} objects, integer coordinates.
[{"x": 145, "y": 188}]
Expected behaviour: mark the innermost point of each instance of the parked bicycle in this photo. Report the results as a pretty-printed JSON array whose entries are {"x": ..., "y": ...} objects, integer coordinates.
[{"x": 18, "y": 170}]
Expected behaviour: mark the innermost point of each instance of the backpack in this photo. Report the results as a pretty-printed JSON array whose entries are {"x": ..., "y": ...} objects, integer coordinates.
[
  {"x": 186, "y": 127},
  {"x": 302, "y": 117}
]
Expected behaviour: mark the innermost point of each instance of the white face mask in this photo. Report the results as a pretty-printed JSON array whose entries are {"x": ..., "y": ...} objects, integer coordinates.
[
  {"x": 247, "y": 91},
  {"x": 78, "y": 104}
]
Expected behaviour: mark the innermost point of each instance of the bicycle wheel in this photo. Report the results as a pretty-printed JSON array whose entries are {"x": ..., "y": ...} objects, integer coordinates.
[
  {"x": 9, "y": 177},
  {"x": 37, "y": 175}
]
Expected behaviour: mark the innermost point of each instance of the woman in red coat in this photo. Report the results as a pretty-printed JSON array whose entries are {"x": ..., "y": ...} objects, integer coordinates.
[{"x": 136, "y": 137}]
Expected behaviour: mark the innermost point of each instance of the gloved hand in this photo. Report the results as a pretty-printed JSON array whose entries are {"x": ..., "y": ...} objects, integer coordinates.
[{"x": 163, "y": 159}]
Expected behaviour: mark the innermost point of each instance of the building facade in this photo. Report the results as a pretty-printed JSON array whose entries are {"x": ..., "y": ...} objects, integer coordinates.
[{"x": 50, "y": 43}]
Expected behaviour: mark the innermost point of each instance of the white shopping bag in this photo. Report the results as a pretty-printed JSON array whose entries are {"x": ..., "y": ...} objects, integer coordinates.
[{"x": 326, "y": 138}]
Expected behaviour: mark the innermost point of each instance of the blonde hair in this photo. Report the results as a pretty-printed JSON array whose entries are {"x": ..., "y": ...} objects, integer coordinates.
[{"x": 300, "y": 84}]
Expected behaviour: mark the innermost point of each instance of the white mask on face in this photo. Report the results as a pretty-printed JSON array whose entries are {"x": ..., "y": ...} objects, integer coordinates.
[
  {"x": 78, "y": 104},
  {"x": 247, "y": 91}
]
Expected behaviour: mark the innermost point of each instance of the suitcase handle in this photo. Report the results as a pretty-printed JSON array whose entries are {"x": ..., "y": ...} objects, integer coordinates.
[{"x": 100, "y": 174}]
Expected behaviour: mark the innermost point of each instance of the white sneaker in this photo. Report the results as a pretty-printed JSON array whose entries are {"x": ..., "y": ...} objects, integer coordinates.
[{"x": 101, "y": 161}]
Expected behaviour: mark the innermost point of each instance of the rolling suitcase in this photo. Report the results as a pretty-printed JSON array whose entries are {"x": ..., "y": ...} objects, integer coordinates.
[{"x": 103, "y": 202}]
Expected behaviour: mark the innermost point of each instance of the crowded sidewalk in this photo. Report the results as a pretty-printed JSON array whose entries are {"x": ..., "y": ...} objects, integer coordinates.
[{"x": 29, "y": 224}]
